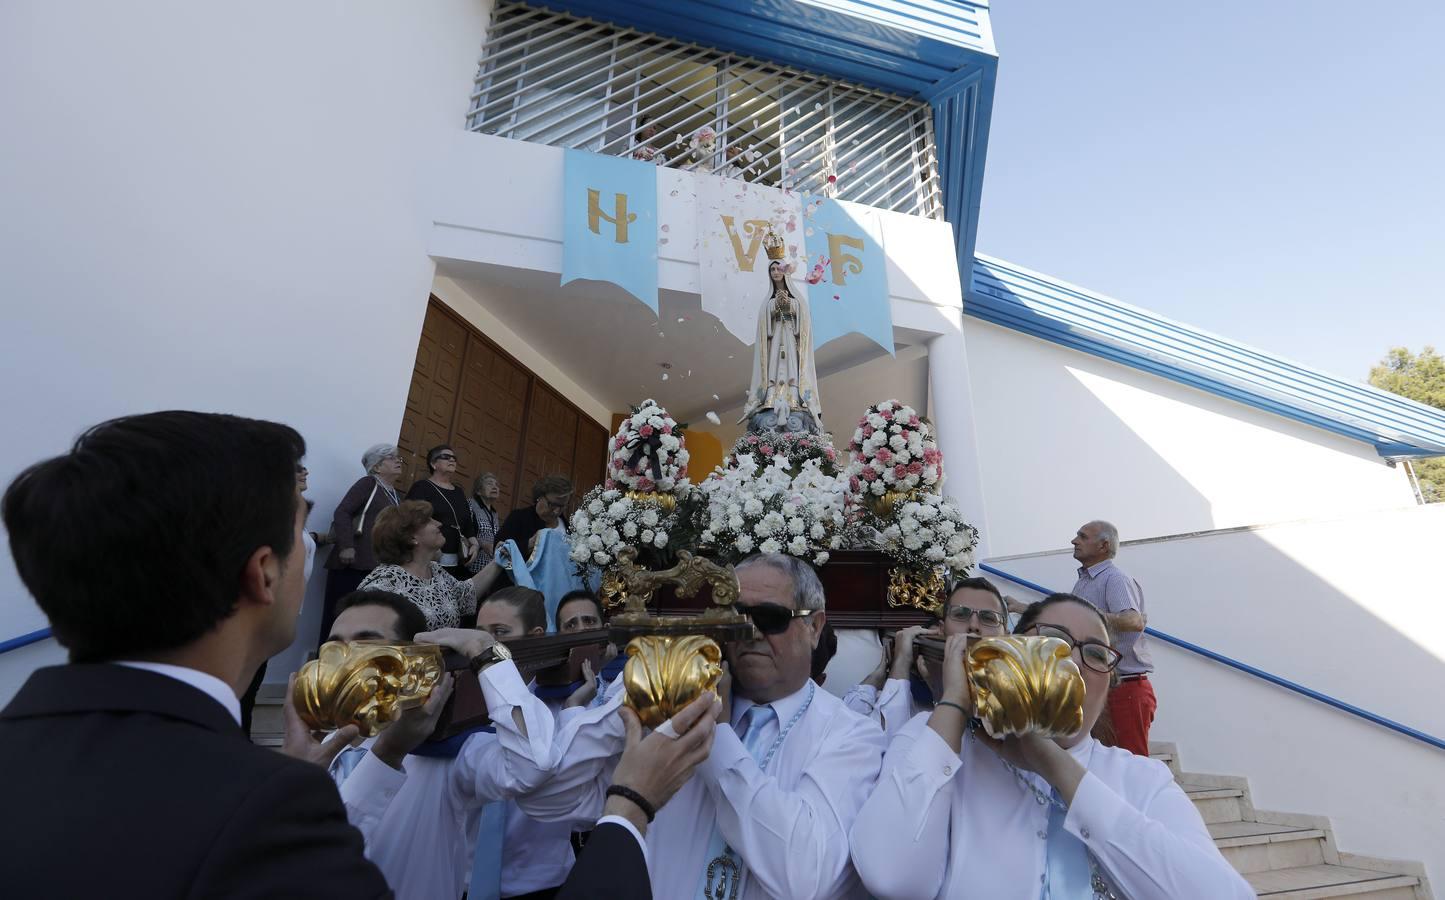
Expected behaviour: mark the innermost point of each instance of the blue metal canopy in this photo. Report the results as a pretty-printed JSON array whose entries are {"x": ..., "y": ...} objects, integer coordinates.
[
  {"x": 1012, "y": 296},
  {"x": 940, "y": 51}
]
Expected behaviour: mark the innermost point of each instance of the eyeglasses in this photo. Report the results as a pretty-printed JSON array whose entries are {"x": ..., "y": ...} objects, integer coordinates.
[
  {"x": 1096, "y": 654},
  {"x": 990, "y": 617},
  {"x": 447, "y": 457},
  {"x": 770, "y": 618},
  {"x": 553, "y": 504}
]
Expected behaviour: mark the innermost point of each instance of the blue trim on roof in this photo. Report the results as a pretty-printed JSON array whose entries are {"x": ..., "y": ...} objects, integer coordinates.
[
  {"x": 1012, "y": 296},
  {"x": 940, "y": 51}
]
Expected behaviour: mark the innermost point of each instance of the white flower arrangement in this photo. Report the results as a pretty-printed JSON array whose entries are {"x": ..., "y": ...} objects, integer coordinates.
[
  {"x": 760, "y": 505},
  {"x": 893, "y": 449},
  {"x": 796, "y": 446},
  {"x": 607, "y": 521},
  {"x": 929, "y": 532},
  {"x": 648, "y": 453}
]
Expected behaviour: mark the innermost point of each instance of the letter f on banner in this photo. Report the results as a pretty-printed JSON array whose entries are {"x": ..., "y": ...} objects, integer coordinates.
[{"x": 626, "y": 253}]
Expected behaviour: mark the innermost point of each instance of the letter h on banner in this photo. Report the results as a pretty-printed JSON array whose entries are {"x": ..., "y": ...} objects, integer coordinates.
[{"x": 609, "y": 222}]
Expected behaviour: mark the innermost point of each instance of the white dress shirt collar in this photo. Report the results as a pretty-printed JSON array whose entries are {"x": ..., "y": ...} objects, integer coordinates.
[
  {"x": 785, "y": 707},
  {"x": 204, "y": 682}
]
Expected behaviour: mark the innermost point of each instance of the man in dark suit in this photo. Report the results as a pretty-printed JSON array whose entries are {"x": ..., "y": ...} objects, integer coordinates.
[
  {"x": 613, "y": 865},
  {"x": 166, "y": 551}
]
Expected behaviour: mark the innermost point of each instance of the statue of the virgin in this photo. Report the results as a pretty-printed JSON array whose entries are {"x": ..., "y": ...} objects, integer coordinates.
[{"x": 783, "y": 395}]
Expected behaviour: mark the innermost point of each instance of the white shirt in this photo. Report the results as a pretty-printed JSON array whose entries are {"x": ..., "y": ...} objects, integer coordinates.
[
  {"x": 789, "y": 825},
  {"x": 204, "y": 682},
  {"x": 420, "y": 824},
  {"x": 892, "y": 708},
  {"x": 941, "y": 824}
]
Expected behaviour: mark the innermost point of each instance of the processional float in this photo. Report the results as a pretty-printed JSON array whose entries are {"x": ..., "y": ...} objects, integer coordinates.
[{"x": 882, "y": 536}]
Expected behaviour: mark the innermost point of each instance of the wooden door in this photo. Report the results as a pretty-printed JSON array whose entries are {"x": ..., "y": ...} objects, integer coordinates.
[{"x": 495, "y": 412}]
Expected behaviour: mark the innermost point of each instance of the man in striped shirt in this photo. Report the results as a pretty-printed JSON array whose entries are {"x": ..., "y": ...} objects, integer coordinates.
[{"x": 1119, "y": 598}]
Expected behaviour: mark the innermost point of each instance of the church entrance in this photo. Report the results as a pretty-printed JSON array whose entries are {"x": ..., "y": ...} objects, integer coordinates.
[{"x": 495, "y": 412}]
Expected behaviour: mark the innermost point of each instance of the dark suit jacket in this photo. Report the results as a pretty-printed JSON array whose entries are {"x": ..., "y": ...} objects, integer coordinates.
[
  {"x": 124, "y": 783},
  {"x": 611, "y": 867}
]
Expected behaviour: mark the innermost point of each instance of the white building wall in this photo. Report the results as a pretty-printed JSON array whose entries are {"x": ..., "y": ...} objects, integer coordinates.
[
  {"x": 218, "y": 207},
  {"x": 1349, "y": 606},
  {"x": 1065, "y": 437}
]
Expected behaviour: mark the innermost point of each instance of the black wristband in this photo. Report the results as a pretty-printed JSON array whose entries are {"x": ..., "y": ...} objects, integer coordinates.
[
  {"x": 627, "y": 793},
  {"x": 956, "y": 706}
]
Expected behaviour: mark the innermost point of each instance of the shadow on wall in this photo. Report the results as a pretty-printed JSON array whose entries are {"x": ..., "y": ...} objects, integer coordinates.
[{"x": 1333, "y": 605}]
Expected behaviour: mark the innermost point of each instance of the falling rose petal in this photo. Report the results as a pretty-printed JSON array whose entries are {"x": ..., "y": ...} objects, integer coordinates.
[
  {"x": 667, "y": 228},
  {"x": 672, "y": 194},
  {"x": 715, "y": 396},
  {"x": 689, "y": 373},
  {"x": 832, "y": 179},
  {"x": 808, "y": 232},
  {"x": 660, "y": 334},
  {"x": 681, "y": 319},
  {"x": 853, "y": 168},
  {"x": 712, "y": 417},
  {"x": 817, "y": 106},
  {"x": 835, "y": 297},
  {"x": 664, "y": 376}
]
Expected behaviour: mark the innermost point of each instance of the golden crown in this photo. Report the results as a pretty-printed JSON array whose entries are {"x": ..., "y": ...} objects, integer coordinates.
[{"x": 773, "y": 245}]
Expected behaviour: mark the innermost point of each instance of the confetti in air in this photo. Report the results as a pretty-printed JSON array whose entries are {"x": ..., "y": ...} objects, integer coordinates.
[
  {"x": 681, "y": 319},
  {"x": 666, "y": 228},
  {"x": 712, "y": 417},
  {"x": 664, "y": 376},
  {"x": 715, "y": 396}
]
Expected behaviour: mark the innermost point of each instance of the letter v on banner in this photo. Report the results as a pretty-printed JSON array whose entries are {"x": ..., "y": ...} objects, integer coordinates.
[{"x": 609, "y": 222}]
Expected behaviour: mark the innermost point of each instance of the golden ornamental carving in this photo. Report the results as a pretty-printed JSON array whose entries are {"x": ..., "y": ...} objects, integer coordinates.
[
  {"x": 365, "y": 683},
  {"x": 907, "y": 588},
  {"x": 882, "y": 505},
  {"x": 665, "y": 673},
  {"x": 687, "y": 578},
  {"x": 1026, "y": 685},
  {"x": 612, "y": 591},
  {"x": 663, "y": 501}
]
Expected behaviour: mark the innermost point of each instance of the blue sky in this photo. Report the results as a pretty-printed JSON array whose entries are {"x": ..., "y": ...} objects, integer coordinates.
[{"x": 1272, "y": 171}]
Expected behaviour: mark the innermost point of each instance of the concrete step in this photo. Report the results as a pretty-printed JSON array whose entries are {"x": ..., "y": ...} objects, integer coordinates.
[
  {"x": 1261, "y": 847},
  {"x": 1216, "y": 804},
  {"x": 1319, "y": 881}
]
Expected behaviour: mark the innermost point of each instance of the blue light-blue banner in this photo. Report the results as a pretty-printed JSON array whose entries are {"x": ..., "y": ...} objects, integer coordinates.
[
  {"x": 609, "y": 222},
  {"x": 847, "y": 273}
]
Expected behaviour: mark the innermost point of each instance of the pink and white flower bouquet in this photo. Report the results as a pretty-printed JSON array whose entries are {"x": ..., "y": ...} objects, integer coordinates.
[{"x": 893, "y": 449}]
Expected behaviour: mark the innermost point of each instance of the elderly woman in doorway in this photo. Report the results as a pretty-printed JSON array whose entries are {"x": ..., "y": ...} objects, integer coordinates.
[
  {"x": 449, "y": 506},
  {"x": 486, "y": 490},
  {"x": 959, "y": 814},
  {"x": 408, "y": 540},
  {"x": 351, "y": 526}
]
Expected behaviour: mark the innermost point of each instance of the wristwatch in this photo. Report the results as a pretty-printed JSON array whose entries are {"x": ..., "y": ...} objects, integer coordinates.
[{"x": 493, "y": 654}]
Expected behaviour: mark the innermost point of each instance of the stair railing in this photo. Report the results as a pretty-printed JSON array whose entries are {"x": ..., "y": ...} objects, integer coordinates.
[{"x": 1246, "y": 668}]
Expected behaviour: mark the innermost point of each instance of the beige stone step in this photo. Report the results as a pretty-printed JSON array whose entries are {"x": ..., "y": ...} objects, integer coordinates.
[
  {"x": 1319, "y": 881},
  {"x": 1216, "y": 804},
  {"x": 1260, "y": 846}
]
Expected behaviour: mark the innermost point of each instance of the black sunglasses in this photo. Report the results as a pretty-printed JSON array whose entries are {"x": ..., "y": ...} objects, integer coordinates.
[
  {"x": 1096, "y": 654},
  {"x": 770, "y": 618},
  {"x": 445, "y": 456}
]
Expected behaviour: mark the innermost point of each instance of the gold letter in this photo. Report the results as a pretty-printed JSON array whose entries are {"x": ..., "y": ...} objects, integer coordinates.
[
  {"x": 620, "y": 216},
  {"x": 753, "y": 228},
  {"x": 843, "y": 263}
]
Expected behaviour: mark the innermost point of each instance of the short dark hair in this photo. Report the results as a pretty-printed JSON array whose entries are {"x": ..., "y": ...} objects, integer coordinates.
[
  {"x": 433, "y": 453},
  {"x": 977, "y": 584},
  {"x": 530, "y": 605},
  {"x": 825, "y": 651},
  {"x": 550, "y": 484},
  {"x": 573, "y": 596},
  {"x": 125, "y": 567},
  {"x": 393, "y": 537},
  {"x": 410, "y": 620},
  {"x": 1031, "y": 615}
]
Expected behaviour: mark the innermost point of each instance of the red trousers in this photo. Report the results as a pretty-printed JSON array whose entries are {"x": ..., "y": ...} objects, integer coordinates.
[{"x": 1131, "y": 707}]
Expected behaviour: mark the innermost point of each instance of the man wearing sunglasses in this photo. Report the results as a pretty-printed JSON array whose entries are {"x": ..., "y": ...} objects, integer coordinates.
[
  {"x": 768, "y": 813},
  {"x": 973, "y": 607},
  {"x": 1121, "y": 601}
]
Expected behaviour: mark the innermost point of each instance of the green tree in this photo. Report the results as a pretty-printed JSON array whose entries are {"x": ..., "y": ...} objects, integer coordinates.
[{"x": 1421, "y": 378}]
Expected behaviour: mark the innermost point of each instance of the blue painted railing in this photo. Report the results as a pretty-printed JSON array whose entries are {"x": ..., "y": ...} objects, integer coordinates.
[
  {"x": 1326, "y": 699},
  {"x": 24, "y": 639}
]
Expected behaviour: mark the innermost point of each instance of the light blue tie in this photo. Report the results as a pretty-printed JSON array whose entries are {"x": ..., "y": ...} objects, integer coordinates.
[
  {"x": 348, "y": 761},
  {"x": 1068, "y": 871},
  {"x": 486, "y": 883},
  {"x": 754, "y": 722}
]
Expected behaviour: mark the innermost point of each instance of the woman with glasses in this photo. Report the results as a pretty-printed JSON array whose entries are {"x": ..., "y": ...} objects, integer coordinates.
[
  {"x": 959, "y": 814},
  {"x": 973, "y": 607},
  {"x": 351, "y": 524},
  {"x": 450, "y": 508}
]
